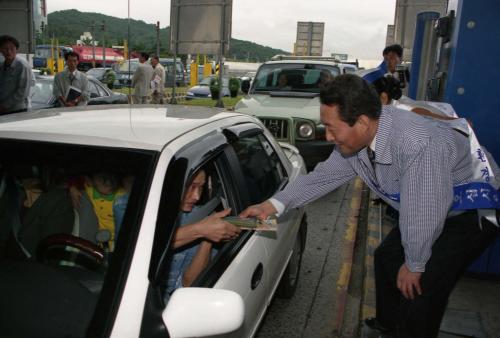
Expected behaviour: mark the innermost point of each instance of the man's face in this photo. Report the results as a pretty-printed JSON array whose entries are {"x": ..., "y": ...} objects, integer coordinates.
[
  {"x": 392, "y": 60},
  {"x": 72, "y": 62},
  {"x": 348, "y": 140},
  {"x": 9, "y": 52},
  {"x": 154, "y": 62},
  {"x": 193, "y": 192}
]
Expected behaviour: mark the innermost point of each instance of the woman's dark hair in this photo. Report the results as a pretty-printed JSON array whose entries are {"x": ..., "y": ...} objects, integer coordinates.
[
  {"x": 353, "y": 96},
  {"x": 390, "y": 85}
]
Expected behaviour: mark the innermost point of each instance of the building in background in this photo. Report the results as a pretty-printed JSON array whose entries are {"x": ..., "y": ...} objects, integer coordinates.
[
  {"x": 403, "y": 30},
  {"x": 309, "y": 38},
  {"x": 389, "y": 39}
]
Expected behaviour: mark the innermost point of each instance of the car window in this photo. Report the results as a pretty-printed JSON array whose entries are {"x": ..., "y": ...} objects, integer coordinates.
[
  {"x": 202, "y": 194},
  {"x": 42, "y": 91},
  {"x": 93, "y": 91},
  {"x": 101, "y": 90},
  {"x": 261, "y": 167},
  {"x": 64, "y": 212},
  {"x": 298, "y": 77}
]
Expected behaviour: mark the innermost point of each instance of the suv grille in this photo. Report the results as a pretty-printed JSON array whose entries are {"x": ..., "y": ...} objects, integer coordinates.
[{"x": 277, "y": 127}]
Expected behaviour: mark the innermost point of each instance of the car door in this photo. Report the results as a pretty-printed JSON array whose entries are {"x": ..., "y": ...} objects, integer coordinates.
[
  {"x": 259, "y": 173},
  {"x": 264, "y": 174}
]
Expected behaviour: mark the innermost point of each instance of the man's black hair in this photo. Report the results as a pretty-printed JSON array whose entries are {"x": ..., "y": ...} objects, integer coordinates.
[
  {"x": 390, "y": 85},
  {"x": 145, "y": 55},
  {"x": 7, "y": 38},
  {"x": 353, "y": 96},
  {"x": 155, "y": 57},
  {"x": 395, "y": 49},
  {"x": 71, "y": 54}
]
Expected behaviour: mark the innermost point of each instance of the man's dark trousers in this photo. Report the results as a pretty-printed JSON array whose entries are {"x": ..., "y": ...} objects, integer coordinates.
[{"x": 459, "y": 244}]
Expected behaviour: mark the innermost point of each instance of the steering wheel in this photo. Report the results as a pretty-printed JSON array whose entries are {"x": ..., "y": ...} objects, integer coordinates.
[{"x": 53, "y": 248}]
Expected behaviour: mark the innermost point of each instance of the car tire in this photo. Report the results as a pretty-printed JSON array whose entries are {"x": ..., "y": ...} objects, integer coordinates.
[{"x": 288, "y": 283}]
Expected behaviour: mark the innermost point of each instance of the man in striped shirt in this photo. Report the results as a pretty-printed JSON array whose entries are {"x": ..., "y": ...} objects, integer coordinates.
[{"x": 415, "y": 164}]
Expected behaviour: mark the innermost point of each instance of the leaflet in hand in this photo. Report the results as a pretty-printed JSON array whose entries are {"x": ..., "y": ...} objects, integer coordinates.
[
  {"x": 269, "y": 224},
  {"x": 73, "y": 93}
]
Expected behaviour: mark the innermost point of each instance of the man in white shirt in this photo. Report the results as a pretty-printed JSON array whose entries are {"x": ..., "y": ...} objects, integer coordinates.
[
  {"x": 158, "y": 81},
  {"x": 16, "y": 78},
  {"x": 141, "y": 81},
  {"x": 71, "y": 78}
]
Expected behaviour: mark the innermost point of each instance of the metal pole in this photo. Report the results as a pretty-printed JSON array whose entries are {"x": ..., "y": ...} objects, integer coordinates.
[
  {"x": 93, "y": 44},
  {"x": 219, "y": 103},
  {"x": 103, "y": 27},
  {"x": 158, "y": 38},
  {"x": 173, "y": 100}
]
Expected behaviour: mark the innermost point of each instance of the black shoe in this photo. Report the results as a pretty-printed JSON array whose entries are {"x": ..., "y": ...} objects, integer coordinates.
[{"x": 374, "y": 324}]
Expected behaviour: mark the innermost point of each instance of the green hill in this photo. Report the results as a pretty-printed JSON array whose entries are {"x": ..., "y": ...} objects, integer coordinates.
[{"x": 68, "y": 25}]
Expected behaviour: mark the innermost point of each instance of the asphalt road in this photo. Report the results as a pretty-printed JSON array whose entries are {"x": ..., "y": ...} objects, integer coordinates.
[{"x": 312, "y": 311}]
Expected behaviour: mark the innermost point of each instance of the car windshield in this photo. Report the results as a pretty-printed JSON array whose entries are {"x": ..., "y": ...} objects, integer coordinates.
[
  {"x": 96, "y": 72},
  {"x": 125, "y": 68},
  {"x": 293, "y": 77},
  {"x": 169, "y": 65},
  {"x": 65, "y": 212},
  {"x": 42, "y": 91}
]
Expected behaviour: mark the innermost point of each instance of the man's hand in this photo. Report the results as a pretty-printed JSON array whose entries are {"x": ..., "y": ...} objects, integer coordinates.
[
  {"x": 407, "y": 281},
  {"x": 261, "y": 211},
  {"x": 216, "y": 230}
]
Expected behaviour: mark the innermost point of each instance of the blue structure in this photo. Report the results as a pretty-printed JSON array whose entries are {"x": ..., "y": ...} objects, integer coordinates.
[{"x": 472, "y": 85}]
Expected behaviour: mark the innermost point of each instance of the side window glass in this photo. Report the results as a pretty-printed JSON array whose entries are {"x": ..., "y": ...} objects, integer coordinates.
[
  {"x": 92, "y": 90},
  {"x": 102, "y": 92},
  {"x": 261, "y": 167}
]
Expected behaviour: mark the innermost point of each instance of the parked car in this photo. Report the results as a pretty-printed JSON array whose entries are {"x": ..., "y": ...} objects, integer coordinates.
[
  {"x": 99, "y": 73},
  {"x": 124, "y": 73},
  {"x": 181, "y": 79},
  {"x": 72, "y": 287},
  {"x": 290, "y": 109},
  {"x": 202, "y": 89},
  {"x": 99, "y": 93}
]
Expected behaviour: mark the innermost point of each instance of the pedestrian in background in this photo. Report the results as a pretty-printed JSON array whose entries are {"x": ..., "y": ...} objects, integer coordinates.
[
  {"x": 158, "y": 81},
  {"x": 141, "y": 81},
  {"x": 16, "y": 78},
  {"x": 71, "y": 85}
]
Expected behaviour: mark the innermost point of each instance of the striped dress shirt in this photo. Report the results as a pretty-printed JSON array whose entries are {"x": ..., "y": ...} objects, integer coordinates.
[{"x": 416, "y": 157}]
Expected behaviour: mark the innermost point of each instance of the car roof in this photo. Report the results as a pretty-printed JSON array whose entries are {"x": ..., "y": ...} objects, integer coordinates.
[
  {"x": 313, "y": 62},
  {"x": 148, "y": 127}
]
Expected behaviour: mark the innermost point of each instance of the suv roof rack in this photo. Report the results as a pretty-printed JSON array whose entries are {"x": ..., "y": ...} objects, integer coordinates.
[{"x": 280, "y": 57}]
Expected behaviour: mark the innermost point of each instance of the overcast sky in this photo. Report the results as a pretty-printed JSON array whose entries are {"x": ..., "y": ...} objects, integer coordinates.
[{"x": 355, "y": 27}]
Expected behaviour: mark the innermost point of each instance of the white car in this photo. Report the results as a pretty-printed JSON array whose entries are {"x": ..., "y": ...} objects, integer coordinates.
[{"x": 71, "y": 287}]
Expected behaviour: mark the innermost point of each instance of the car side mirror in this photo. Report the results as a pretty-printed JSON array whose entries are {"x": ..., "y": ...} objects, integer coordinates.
[
  {"x": 245, "y": 86},
  {"x": 197, "y": 312},
  {"x": 93, "y": 95}
]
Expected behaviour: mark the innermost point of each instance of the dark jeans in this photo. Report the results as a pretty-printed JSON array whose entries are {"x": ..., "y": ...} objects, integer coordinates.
[{"x": 458, "y": 245}]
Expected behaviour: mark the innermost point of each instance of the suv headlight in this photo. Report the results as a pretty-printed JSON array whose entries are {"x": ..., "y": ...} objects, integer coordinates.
[{"x": 304, "y": 130}]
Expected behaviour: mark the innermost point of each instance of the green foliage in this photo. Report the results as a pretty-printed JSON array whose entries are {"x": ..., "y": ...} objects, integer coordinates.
[
  {"x": 68, "y": 25},
  {"x": 215, "y": 88},
  {"x": 234, "y": 86}
]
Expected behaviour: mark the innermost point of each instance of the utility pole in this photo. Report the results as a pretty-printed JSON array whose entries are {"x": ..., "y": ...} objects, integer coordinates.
[
  {"x": 158, "y": 38},
  {"x": 93, "y": 43},
  {"x": 103, "y": 28}
]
